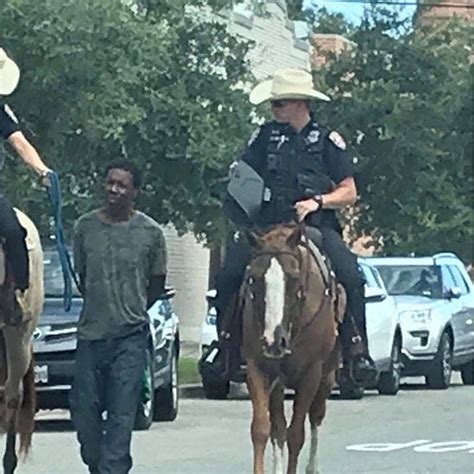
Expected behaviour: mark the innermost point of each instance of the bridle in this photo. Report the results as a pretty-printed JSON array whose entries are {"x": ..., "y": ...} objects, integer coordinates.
[{"x": 302, "y": 288}]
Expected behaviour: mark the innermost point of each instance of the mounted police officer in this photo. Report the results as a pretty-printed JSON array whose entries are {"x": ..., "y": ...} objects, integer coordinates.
[
  {"x": 305, "y": 174},
  {"x": 10, "y": 229}
]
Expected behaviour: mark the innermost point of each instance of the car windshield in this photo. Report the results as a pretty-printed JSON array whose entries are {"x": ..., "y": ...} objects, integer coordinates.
[
  {"x": 418, "y": 280},
  {"x": 53, "y": 275}
]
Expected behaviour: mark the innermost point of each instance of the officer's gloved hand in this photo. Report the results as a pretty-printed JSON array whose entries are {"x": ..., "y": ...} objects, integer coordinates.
[{"x": 45, "y": 177}]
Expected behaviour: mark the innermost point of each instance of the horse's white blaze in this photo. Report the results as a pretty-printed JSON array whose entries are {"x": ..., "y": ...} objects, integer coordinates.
[
  {"x": 313, "y": 462},
  {"x": 277, "y": 458},
  {"x": 274, "y": 299}
]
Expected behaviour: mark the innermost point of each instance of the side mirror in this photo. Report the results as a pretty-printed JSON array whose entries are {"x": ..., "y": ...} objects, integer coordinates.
[
  {"x": 373, "y": 295},
  {"x": 169, "y": 293},
  {"x": 211, "y": 295},
  {"x": 454, "y": 292}
]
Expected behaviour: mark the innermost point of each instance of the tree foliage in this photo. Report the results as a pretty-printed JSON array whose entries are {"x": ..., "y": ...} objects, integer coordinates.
[
  {"x": 403, "y": 99},
  {"x": 324, "y": 21},
  {"x": 295, "y": 9},
  {"x": 153, "y": 81}
]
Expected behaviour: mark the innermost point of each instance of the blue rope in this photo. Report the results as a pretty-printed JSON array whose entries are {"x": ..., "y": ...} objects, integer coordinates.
[{"x": 54, "y": 192}]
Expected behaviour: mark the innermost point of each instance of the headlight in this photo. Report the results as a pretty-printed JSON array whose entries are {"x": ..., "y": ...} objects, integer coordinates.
[
  {"x": 211, "y": 317},
  {"x": 418, "y": 317}
]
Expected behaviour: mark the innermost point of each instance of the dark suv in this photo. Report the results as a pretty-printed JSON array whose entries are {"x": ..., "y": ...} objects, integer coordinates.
[{"x": 55, "y": 340}]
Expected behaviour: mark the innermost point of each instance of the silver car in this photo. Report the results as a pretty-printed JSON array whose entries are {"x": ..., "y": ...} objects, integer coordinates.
[{"x": 435, "y": 299}]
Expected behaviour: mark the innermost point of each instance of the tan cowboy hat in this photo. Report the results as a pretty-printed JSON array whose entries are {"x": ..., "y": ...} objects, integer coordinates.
[
  {"x": 9, "y": 74},
  {"x": 286, "y": 84}
]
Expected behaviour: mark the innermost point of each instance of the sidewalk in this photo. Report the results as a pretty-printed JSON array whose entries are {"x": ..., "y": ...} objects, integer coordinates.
[{"x": 189, "y": 349}]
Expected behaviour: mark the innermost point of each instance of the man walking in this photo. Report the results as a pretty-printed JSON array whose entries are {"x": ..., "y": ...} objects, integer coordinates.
[{"x": 120, "y": 256}]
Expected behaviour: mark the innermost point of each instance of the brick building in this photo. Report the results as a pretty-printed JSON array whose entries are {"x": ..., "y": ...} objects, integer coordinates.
[
  {"x": 445, "y": 9},
  {"x": 324, "y": 44}
]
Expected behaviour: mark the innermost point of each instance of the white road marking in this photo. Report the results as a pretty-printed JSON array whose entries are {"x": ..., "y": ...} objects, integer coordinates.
[
  {"x": 446, "y": 447},
  {"x": 419, "y": 446},
  {"x": 386, "y": 447}
]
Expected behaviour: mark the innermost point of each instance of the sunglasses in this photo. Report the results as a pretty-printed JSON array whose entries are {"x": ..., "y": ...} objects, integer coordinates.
[{"x": 280, "y": 103}]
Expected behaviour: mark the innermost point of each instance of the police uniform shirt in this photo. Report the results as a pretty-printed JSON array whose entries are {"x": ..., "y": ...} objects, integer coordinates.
[
  {"x": 8, "y": 126},
  {"x": 297, "y": 145},
  {"x": 336, "y": 158},
  {"x": 8, "y": 121}
]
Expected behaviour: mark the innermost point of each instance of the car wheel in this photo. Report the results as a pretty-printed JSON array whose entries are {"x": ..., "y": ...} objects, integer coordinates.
[
  {"x": 440, "y": 375},
  {"x": 144, "y": 416},
  {"x": 167, "y": 397},
  {"x": 467, "y": 373},
  {"x": 215, "y": 390},
  {"x": 389, "y": 382},
  {"x": 350, "y": 391}
]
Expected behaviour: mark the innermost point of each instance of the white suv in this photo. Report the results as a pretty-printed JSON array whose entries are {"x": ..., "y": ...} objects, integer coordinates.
[{"x": 435, "y": 297}]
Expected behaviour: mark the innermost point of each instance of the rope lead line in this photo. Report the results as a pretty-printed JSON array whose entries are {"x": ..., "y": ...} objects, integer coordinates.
[{"x": 54, "y": 193}]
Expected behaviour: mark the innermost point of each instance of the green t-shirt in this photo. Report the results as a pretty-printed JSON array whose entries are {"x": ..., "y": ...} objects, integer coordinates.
[{"x": 117, "y": 261}]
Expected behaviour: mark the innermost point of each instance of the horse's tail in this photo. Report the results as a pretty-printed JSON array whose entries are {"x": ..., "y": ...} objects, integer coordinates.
[{"x": 26, "y": 419}]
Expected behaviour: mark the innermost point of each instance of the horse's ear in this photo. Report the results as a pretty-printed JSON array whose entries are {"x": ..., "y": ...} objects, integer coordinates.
[
  {"x": 295, "y": 237},
  {"x": 254, "y": 239}
]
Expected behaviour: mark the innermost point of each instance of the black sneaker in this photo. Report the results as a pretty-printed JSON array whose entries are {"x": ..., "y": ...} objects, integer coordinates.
[{"x": 364, "y": 370}]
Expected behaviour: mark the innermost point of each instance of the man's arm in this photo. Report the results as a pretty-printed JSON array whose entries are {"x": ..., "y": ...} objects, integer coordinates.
[
  {"x": 345, "y": 194},
  {"x": 255, "y": 152},
  {"x": 157, "y": 280},
  {"x": 156, "y": 288},
  {"x": 341, "y": 172},
  {"x": 27, "y": 152}
]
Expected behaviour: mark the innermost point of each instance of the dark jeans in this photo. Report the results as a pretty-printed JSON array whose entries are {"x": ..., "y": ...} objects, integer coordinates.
[
  {"x": 15, "y": 244},
  {"x": 108, "y": 376},
  {"x": 343, "y": 261}
]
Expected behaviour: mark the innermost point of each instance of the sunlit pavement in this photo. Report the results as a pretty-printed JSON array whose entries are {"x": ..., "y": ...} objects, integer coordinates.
[{"x": 417, "y": 431}]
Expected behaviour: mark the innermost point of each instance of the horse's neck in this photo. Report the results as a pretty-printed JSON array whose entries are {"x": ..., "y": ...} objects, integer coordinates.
[{"x": 315, "y": 277}]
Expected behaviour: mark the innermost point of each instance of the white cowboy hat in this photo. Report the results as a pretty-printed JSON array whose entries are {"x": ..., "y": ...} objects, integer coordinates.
[
  {"x": 9, "y": 74},
  {"x": 286, "y": 84}
]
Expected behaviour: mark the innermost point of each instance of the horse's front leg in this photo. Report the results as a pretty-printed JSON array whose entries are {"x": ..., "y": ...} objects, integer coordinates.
[
  {"x": 278, "y": 427},
  {"x": 10, "y": 459},
  {"x": 304, "y": 397},
  {"x": 317, "y": 412},
  {"x": 259, "y": 393}
]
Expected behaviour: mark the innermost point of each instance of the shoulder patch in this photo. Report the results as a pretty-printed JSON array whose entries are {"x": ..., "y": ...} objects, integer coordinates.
[
  {"x": 10, "y": 113},
  {"x": 336, "y": 138},
  {"x": 254, "y": 136}
]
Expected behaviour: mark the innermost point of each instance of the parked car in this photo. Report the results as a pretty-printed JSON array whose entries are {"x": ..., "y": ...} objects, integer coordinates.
[
  {"x": 435, "y": 297},
  {"x": 384, "y": 334},
  {"x": 55, "y": 340}
]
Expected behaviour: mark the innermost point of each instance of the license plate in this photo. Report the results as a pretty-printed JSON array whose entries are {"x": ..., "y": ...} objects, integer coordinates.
[{"x": 41, "y": 374}]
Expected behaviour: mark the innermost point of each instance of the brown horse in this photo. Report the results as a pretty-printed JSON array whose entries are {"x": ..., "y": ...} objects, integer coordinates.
[
  {"x": 17, "y": 380},
  {"x": 292, "y": 305}
]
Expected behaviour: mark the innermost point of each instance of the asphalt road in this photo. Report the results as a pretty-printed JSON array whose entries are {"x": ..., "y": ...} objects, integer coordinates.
[{"x": 417, "y": 431}]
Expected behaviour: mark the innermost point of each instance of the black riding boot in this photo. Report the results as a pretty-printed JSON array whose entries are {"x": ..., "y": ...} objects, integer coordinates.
[
  {"x": 356, "y": 344},
  {"x": 357, "y": 361},
  {"x": 16, "y": 253}
]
